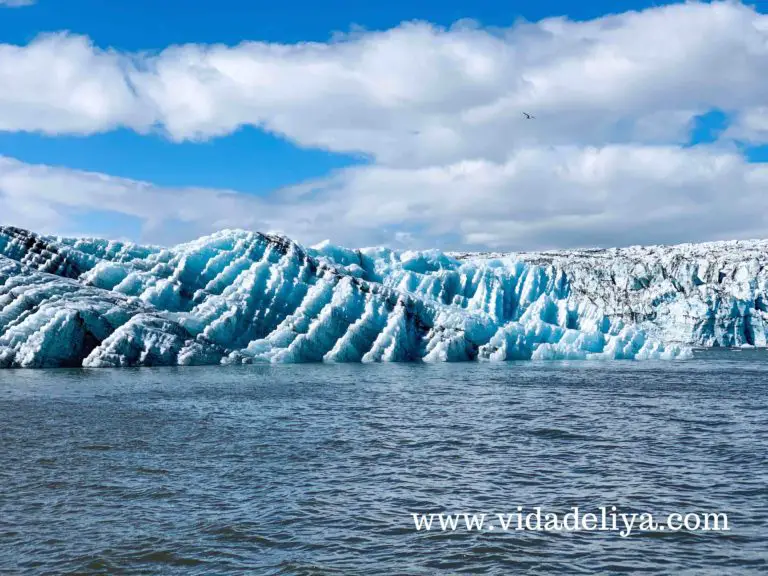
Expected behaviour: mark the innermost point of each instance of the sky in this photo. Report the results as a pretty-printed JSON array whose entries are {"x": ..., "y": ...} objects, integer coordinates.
[{"x": 397, "y": 123}]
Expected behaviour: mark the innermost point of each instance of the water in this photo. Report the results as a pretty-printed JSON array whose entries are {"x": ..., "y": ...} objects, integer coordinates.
[{"x": 315, "y": 469}]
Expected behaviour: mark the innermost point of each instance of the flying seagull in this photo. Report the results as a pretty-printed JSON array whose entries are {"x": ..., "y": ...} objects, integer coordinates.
[{"x": 528, "y": 116}]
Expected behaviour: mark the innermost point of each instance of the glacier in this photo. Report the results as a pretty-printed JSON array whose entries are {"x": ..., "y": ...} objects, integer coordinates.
[{"x": 237, "y": 297}]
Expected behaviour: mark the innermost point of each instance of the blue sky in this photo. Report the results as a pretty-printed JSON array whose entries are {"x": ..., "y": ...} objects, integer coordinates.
[
  {"x": 388, "y": 163},
  {"x": 152, "y": 25}
]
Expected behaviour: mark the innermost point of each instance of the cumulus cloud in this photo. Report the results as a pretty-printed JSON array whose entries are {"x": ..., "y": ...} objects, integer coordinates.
[
  {"x": 439, "y": 114},
  {"x": 62, "y": 84},
  {"x": 49, "y": 198},
  {"x": 537, "y": 198},
  {"x": 751, "y": 126},
  {"x": 413, "y": 94}
]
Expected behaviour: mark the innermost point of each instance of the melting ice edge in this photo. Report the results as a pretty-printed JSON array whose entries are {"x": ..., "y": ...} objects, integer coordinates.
[{"x": 241, "y": 297}]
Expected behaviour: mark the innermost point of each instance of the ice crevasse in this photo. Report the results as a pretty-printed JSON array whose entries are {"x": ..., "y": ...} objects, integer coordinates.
[{"x": 242, "y": 297}]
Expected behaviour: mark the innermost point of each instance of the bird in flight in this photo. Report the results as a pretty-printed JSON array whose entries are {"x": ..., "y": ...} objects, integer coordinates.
[{"x": 528, "y": 116}]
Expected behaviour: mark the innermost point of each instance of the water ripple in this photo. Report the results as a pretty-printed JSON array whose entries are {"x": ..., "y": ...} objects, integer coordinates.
[{"x": 316, "y": 469}]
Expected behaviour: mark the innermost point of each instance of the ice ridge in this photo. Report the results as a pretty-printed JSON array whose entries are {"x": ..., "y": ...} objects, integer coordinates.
[{"x": 242, "y": 297}]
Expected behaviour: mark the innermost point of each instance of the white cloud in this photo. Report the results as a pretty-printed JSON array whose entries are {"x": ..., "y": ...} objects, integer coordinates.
[
  {"x": 49, "y": 199},
  {"x": 63, "y": 84},
  {"x": 538, "y": 198},
  {"x": 555, "y": 197},
  {"x": 416, "y": 94},
  {"x": 438, "y": 112},
  {"x": 751, "y": 125}
]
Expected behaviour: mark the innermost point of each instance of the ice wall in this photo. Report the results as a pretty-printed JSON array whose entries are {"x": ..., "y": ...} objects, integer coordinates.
[{"x": 238, "y": 296}]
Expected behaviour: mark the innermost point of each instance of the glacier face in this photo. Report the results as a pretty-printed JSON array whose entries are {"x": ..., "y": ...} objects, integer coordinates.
[{"x": 240, "y": 297}]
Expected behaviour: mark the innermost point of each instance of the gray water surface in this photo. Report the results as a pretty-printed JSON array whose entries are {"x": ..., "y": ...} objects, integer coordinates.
[{"x": 315, "y": 469}]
